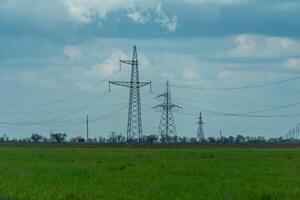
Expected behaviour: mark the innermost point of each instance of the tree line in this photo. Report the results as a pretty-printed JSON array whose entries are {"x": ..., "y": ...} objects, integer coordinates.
[{"x": 119, "y": 138}]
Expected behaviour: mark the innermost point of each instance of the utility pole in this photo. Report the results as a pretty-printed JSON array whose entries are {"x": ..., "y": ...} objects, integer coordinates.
[
  {"x": 134, "y": 124},
  {"x": 167, "y": 124},
  {"x": 298, "y": 126},
  {"x": 297, "y": 132},
  {"x": 293, "y": 133},
  {"x": 87, "y": 129},
  {"x": 200, "y": 132}
]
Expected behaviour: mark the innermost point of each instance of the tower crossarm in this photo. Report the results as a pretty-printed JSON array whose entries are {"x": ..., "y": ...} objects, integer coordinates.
[
  {"x": 175, "y": 106},
  {"x": 130, "y": 84},
  {"x": 129, "y": 62},
  {"x": 165, "y": 105}
]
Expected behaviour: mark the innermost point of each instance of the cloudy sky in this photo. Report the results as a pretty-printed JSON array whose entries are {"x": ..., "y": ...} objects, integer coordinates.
[{"x": 52, "y": 53}]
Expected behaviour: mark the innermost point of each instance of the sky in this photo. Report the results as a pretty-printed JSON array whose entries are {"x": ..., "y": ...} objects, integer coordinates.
[{"x": 52, "y": 53}]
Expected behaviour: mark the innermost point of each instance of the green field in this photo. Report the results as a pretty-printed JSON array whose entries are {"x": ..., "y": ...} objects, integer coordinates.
[{"x": 122, "y": 173}]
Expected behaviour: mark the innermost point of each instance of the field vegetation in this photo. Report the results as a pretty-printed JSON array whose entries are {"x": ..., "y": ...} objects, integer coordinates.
[{"x": 41, "y": 173}]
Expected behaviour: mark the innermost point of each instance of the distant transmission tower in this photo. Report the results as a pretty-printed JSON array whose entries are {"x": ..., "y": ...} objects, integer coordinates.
[
  {"x": 134, "y": 126},
  {"x": 200, "y": 132},
  {"x": 167, "y": 124}
]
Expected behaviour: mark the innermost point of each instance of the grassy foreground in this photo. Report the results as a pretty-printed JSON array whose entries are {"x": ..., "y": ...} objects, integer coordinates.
[{"x": 106, "y": 173}]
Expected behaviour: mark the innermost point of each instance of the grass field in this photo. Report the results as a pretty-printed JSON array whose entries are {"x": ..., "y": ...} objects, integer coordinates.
[{"x": 37, "y": 173}]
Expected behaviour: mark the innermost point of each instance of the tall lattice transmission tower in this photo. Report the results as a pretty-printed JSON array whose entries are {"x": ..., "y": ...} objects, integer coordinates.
[
  {"x": 134, "y": 125},
  {"x": 167, "y": 127},
  {"x": 200, "y": 131}
]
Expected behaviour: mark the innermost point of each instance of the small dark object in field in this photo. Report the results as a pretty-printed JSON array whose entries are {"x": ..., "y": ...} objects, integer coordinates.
[
  {"x": 2, "y": 198},
  {"x": 289, "y": 157},
  {"x": 266, "y": 197},
  {"x": 122, "y": 168},
  {"x": 209, "y": 156}
]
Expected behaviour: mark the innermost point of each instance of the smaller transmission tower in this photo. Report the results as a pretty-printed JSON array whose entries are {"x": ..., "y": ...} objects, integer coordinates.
[
  {"x": 167, "y": 127},
  {"x": 200, "y": 132}
]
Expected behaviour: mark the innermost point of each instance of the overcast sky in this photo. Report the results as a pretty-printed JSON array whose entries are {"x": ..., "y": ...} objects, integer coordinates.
[{"x": 51, "y": 50}]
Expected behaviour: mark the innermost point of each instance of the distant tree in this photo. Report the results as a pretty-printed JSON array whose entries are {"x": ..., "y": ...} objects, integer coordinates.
[
  {"x": 239, "y": 139},
  {"x": 27, "y": 140},
  {"x": 175, "y": 139},
  {"x": 183, "y": 140},
  {"x": 78, "y": 139},
  {"x": 45, "y": 140},
  {"x": 193, "y": 140},
  {"x": 36, "y": 137},
  {"x": 120, "y": 138},
  {"x": 93, "y": 141},
  {"x": 4, "y": 138},
  {"x": 231, "y": 139},
  {"x": 14, "y": 140},
  {"x": 113, "y": 137},
  {"x": 224, "y": 140},
  {"x": 166, "y": 139},
  {"x": 150, "y": 139},
  {"x": 58, "y": 137},
  {"x": 211, "y": 140},
  {"x": 101, "y": 140}
]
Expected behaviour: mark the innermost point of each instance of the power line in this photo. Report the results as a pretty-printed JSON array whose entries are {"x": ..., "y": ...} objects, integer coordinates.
[
  {"x": 47, "y": 112},
  {"x": 60, "y": 117},
  {"x": 66, "y": 98},
  {"x": 242, "y": 115},
  {"x": 235, "y": 88},
  {"x": 246, "y": 113},
  {"x": 99, "y": 118},
  {"x": 222, "y": 104},
  {"x": 74, "y": 123}
]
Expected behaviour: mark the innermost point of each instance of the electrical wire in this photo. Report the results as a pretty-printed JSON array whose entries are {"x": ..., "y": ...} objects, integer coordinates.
[
  {"x": 222, "y": 104},
  {"x": 95, "y": 119},
  {"x": 60, "y": 117},
  {"x": 246, "y": 113},
  {"x": 243, "y": 115},
  {"x": 65, "y": 98},
  {"x": 234, "y": 88}
]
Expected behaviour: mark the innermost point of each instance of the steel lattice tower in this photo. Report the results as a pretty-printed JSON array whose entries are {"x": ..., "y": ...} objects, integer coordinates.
[
  {"x": 134, "y": 125},
  {"x": 167, "y": 124},
  {"x": 200, "y": 132}
]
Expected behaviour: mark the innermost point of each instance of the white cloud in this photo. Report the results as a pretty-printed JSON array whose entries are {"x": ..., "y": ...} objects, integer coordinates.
[
  {"x": 72, "y": 52},
  {"x": 35, "y": 78},
  {"x": 86, "y": 76},
  {"x": 107, "y": 67},
  {"x": 48, "y": 83},
  {"x": 213, "y": 1},
  {"x": 139, "y": 17},
  {"x": 258, "y": 46},
  {"x": 245, "y": 46},
  {"x": 246, "y": 76},
  {"x": 85, "y": 11},
  {"x": 292, "y": 64},
  {"x": 170, "y": 23},
  {"x": 190, "y": 74},
  {"x": 168, "y": 76}
]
